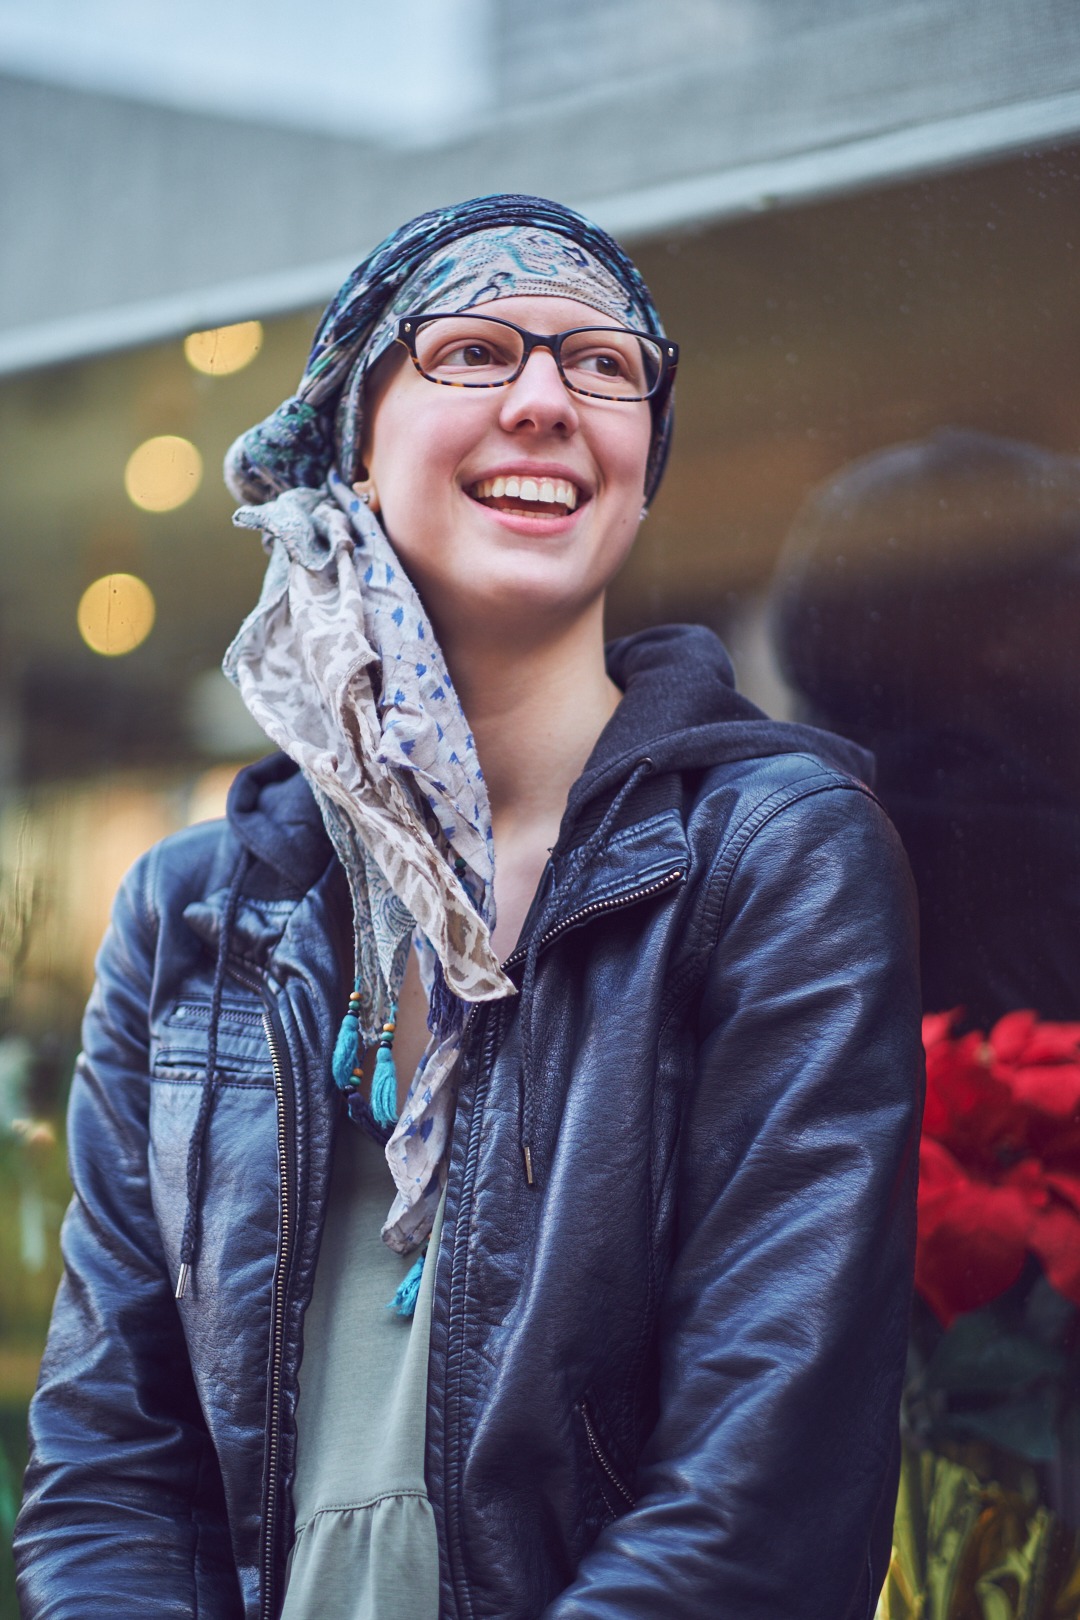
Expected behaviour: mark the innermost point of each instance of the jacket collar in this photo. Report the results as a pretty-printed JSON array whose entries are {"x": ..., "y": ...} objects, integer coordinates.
[
  {"x": 631, "y": 864},
  {"x": 257, "y": 928},
  {"x": 680, "y": 712}
]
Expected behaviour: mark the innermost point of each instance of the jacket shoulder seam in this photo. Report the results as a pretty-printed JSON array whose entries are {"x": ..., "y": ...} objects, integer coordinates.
[{"x": 766, "y": 811}]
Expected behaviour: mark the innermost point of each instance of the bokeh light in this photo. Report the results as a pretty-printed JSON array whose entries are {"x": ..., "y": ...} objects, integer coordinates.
[
  {"x": 224, "y": 348},
  {"x": 163, "y": 473},
  {"x": 116, "y": 614}
]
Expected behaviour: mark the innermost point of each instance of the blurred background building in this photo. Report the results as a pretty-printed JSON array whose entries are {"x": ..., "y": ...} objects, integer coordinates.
[{"x": 860, "y": 220}]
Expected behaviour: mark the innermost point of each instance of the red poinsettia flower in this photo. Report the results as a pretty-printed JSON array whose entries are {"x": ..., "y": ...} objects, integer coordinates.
[{"x": 999, "y": 1160}]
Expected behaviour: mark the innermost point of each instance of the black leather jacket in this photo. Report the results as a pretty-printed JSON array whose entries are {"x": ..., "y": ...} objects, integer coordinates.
[{"x": 664, "y": 1378}]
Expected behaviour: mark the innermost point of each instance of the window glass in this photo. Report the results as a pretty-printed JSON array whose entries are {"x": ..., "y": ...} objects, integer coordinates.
[{"x": 874, "y": 496}]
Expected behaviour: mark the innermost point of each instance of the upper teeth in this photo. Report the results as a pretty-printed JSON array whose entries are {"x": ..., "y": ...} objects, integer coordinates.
[{"x": 554, "y": 491}]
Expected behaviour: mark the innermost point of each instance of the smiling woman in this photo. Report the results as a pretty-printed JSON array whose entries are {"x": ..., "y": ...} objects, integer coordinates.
[{"x": 548, "y": 992}]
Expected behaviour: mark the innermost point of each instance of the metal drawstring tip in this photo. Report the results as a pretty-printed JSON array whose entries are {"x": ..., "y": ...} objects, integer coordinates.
[
  {"x": 182, "y": 1279},
  {"x": 527, "y": 1151}
]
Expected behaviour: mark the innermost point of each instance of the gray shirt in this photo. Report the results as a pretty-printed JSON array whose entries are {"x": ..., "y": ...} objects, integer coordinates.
[{"x": 365, "y": 1545}]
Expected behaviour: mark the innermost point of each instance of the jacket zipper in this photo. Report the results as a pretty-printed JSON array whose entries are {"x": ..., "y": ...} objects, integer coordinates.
[
  {"x": 457, "y": 1283},
  {"x": 598, "y": 1452},
  {"x": 595, "y": 908},
  {"x": 194, "y": 1012},
  {"x": 277, "y": 1326}
]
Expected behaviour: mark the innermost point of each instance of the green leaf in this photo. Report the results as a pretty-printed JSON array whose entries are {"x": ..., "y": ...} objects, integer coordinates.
[
  {"x": 977, "y": 1357},
  {"x": 1028, "y": 1427}
]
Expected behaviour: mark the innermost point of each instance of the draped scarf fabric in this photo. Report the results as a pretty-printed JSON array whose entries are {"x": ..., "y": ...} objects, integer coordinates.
[{"x": 339, "y": 665}]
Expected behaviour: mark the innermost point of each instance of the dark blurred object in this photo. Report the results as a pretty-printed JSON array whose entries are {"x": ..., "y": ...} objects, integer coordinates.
[
  {"x": 82, "y": 718},
  {"x": 927, "y": 604}
]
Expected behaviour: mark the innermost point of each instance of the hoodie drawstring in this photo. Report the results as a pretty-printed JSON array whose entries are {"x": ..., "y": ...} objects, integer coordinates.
[
  {"x": 533, "y": 1123},
  {"x": 196, "y": 1145}
]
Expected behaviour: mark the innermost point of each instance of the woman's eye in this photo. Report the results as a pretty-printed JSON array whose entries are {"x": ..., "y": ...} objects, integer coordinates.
[
  {"x": 602, "y": 365},
  {"x": 466, "y": 356},
  {"x": 608, "y": 366},
  {"x": 612, "y": 364}
]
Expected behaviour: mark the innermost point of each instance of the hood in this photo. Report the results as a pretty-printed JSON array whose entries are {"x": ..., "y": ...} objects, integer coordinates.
[
  {"x": 273, "y": 813},
  {"x": 680, "y": 710}
]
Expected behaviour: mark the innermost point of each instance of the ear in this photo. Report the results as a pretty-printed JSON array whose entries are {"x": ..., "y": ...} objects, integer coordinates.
[{"x": 365, "y": 489}]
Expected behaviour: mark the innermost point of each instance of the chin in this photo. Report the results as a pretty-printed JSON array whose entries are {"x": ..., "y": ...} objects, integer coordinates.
[{"x": 515, "y": 602}]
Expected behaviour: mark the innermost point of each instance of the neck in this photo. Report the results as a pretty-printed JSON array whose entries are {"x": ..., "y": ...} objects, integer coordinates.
[{"x": 535, "y": 712}]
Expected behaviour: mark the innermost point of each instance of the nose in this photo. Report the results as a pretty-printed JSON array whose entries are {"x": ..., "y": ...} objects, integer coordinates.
[{"x": 539, "y": 399}]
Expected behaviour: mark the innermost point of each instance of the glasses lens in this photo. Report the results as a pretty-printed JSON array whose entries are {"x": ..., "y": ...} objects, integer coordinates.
[
  {"x": 612, "y": 363},
  {"x": 468, "y": 350}
]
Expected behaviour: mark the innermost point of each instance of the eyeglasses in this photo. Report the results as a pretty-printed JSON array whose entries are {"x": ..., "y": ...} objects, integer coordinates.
[{"x": 480, "y": 351}]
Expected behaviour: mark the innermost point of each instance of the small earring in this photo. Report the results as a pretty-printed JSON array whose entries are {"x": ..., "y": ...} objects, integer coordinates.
[
  {"x": 365, "y": 489},
  {"x": 642, "y": 515}
]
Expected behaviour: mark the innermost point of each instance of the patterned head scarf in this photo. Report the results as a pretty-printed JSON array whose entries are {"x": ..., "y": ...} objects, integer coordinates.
[
  {"x": 339, "y": 664},
  {"x": 450, "y": 259}
]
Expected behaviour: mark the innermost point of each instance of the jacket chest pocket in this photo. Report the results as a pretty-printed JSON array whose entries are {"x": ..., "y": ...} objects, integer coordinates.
[
  {"x": 239, "y": 1191},
  {"x": 180, "y": 1044}
]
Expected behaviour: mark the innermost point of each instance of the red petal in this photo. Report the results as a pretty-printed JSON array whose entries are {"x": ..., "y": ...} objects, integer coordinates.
[
  {"x": 968, "y": 1106},
  {"x": 1055, "y": 1238},
  {"x": 1056, "y": 1142},
  {"x": 972, "y": 1243},
  {"x": 938, "y": 1170},
  {"x": 1053, "y": 1043},
  {"x": 1066, "y": 1187},
  {"x": 1011, "y": 1034},
  {"x": 1052, "y": 1089},
  {"x": 936, "y": 1026},
  {"x": 1029, "y": 1179}
]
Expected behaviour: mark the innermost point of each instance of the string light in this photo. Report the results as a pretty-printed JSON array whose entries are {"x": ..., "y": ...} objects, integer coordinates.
[
  {"x": 163, "y": 473},
  {"x": 116, "y": 614},
  {"x": 224, "y": 349}
]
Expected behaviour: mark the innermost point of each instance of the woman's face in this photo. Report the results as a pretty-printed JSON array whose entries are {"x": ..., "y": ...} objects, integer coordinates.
[{"x": 491, "y": 563}]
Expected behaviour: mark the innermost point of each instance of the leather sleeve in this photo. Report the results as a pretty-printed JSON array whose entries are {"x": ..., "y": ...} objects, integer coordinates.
[
  {"x": 767, "y": 1487},
  {"x": 122, "y": 1513}
]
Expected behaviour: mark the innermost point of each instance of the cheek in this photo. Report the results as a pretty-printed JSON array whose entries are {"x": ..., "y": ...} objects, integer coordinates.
[
  {"x": 628, "y": 463},
  {"x": 414, "y": 457}
]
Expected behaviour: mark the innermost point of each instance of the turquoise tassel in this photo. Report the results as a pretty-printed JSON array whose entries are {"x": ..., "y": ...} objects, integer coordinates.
[
  {"x": 404, "y": 1301},
  {"x": 346, "y": 1064},
  {"x": 384, "y": 1089},
  {"x": 384, "y": 1080}
]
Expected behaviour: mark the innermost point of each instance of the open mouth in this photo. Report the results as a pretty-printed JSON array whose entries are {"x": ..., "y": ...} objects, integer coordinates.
[{"x": 528, "y": 497}]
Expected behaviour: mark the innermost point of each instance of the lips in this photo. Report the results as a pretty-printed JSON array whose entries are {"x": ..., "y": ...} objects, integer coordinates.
[{"x": 529, "y": 495}]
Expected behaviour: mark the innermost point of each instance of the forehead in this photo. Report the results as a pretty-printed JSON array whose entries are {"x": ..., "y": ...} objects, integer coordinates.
[{"x": 541, "y": 313}]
